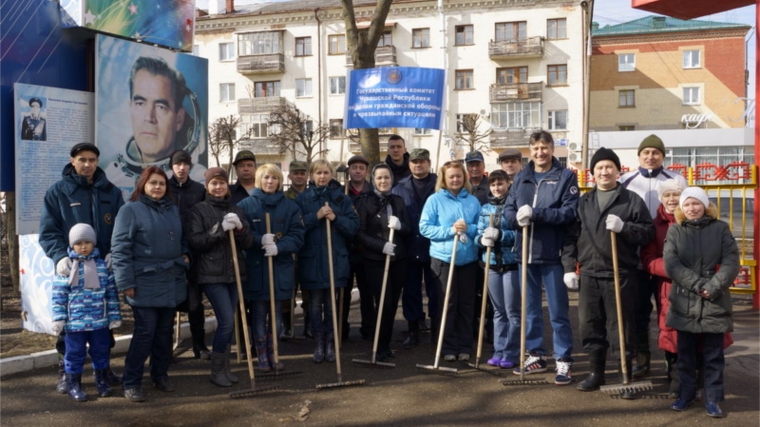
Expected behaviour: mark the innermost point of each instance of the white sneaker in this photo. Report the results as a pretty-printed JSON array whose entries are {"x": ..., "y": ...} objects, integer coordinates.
[{"x": 564, "y": 373}]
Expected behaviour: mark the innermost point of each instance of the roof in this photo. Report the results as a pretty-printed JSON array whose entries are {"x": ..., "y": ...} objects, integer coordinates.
[
  {"x": 661, "y": 24},
  {"x": 270, "y": 8}
]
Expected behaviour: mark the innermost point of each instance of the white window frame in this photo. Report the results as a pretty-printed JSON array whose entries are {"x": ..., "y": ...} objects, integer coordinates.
[
  {"x": 555, "y": 116},
  {"x": 626, "y": 62},
  {"x": 516, "y": 115},
  {"x": 420, "y": 38},
  {"x": 226, "y": 51},
  {"x": 338, "y": 85},
  {"x": 226, "y": 92},
  {"x": 424, "y": 131},
  {"x": 688, "y": 95},
  {"x": 560, "y": 28},
  {"x": 257, "y": 122},
  {"x": 304, "y": 88},
  {"x": 692, "y": 58}
]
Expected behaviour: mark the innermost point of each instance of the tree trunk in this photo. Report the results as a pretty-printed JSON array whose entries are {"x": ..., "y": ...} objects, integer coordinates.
[{"x": 370, "y": 142}]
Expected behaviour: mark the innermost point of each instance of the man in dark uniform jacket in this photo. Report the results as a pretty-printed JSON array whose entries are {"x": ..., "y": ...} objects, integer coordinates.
[
  {"x": 476, "y": 168},
  {"x": 398, "y": 158},
  {"x": 245, "y": 170},
  {"x": 33, "y": 127}
]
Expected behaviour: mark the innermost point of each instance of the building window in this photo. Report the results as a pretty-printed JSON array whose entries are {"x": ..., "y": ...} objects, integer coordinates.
[
  {"x": 557, "y": 74},
  {"x": 460, "y": 123},
  {"x": 463, "y": 35},
  {"x": 255, "y": 125},
  {"x": 464, "y": 80},
  {"x": 226, "y": 92},
  {"x": 261, "y": 43},
  {"x": 266, "y": 89},
  {"x": 558, "y": 120},
  {"x": 336, "y": 44},
  {"x": 626, "y": 62},
  {"x": 626, "y": 128},
  {"x": 516, "y": 115},
  {"x": 422, "y": 131},
  {"x": 556, "y": 28},
  {"x": 336, "y": 128},
  {"x": 337, "y": 85},
  {"x": 303, "y": 88},
  {"x": 196, "y": 50},
  {"x": 627, "y": 98},
  {"x": 511, "y": 75},
  {"x": 226, "y": 51},
  {"x": 421, "y": 37},
  {"x": 303, "y": 46},
  {"x": 386, "y": 39},
  {"x": 511, "y": 31},
  {"x": 691, "y": 96},
  {"x": 691, "y": 59}
]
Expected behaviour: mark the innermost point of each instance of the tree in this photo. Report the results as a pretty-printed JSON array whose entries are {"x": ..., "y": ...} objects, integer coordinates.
[
  {"x": 295, "y": 133},
  {"x": 224, "y": 139},
  {"x": 361, "y": 46},
  {"x": 468, "y": 133}
]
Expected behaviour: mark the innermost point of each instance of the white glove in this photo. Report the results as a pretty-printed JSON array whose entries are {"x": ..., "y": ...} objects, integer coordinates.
[
  {"x": 523, "y": 222},
  {"x": 233, "y": 219},
  {"x": 525, "y": 212},
  {"x": 115, "y": 324},
  {"x": 486, "y": 241},
  {"x": 614, "y": 223},
  {"x": 64, "y": 267},
  {"x": 389, "y": 249},
  {"x": 58, "y": 326},
  {"x": 270, "y": 250},
  {"x": 394, "y": 223},
  {"x": 267, "y": 239},
  {"x": 462, "y": 236},
  {"x": 571, "y": 281},
  {"x": 491, "y": 233},
  {"x": 108, "y": 261},
  {"x": 227, "y": 225}
]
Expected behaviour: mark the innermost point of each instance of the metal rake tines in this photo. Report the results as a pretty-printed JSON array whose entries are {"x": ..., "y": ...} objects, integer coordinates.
[
  {"x": 340, "y": 384},
  {"x": 632, "y": 387},
  {"x": 273, "y": 376},
  {"x": 519, "y": 382},
  {"x": 491, "y": 371}
]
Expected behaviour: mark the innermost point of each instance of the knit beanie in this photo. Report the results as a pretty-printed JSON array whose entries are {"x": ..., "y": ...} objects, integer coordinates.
[
  {"x": 605, "y": 154},
  {"x": 694, "y": 193},
  {"x": 669, "y": 185},
  {"x": 652, "y": 141},
  {"x": 82, "y": 233},
  {"x": 212, "y": 173}
]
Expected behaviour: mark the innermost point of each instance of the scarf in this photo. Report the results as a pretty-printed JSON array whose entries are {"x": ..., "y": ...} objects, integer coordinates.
[{"x": 91, "y": 280}]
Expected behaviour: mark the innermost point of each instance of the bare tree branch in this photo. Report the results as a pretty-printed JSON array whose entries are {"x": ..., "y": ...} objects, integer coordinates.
[
  {"x": 295, "y": 133},
  {"x": 224, "y": 138}
]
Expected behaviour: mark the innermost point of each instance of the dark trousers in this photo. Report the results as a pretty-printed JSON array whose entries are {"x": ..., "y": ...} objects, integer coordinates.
[
  {"x": 457, "y": 336},
  {"x": 60, "y": 342},
  {"x": 412, "y": 294},
  {"x": 396, "y": 279},
  {"x": 224, "y": 300},
  {"x": 320, "y": 311},
  {"x": 597, "y": 314},
  {"x": 152, "y": 337},
  {"x": 366, "y": 307},
  {"x": 712, "y": 365},
  {"x": 646, "y": 289},
  {"x": 76, "y": 350}
]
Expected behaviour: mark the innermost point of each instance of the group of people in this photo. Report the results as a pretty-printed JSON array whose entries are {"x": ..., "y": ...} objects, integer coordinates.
[{"x": 176, "y": 240}]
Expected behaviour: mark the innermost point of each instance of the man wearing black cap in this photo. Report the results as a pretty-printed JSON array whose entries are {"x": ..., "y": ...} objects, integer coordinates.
[
  {"x": 83, "y": 195},
  {"x": 33, "y": 125},
  {"x": 476, "y": 168},
  {"x": 607, "y": 208},
  {"x": 245, "y": 169},
  {"x": 186, "y": 193},
  {"x": 510, "y": 161}
]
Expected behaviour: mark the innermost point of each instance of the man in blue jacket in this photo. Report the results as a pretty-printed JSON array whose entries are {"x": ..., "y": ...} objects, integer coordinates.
[
  {"x": 83, "y": 195},
  {"x": 542, "y": 202}
]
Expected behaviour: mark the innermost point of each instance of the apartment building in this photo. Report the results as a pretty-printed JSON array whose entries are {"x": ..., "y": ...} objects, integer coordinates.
[{"x": 518, "y": 64}]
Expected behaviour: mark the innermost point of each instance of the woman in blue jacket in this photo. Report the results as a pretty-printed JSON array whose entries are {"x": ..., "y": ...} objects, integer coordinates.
[
  {"x": 150, "y": 261},
  {"x": 284, "y": 240},
  {"x": 503, "y": 282},
  {"x": 312, "y": 258},
  {"x": 452, "y": 211}
]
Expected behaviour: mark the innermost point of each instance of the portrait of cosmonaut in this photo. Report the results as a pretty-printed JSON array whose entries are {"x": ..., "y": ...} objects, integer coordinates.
[
  {"x": 157, "y": 113},
  {"x": 33, "y": 123}
]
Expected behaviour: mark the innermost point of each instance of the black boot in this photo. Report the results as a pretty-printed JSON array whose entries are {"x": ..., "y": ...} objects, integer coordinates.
[
  {"x": 330, "y": 347},
  {"x": 230, "y": 376},
  {"x": 319, "y": 347},
  {"x": 643, "y": 356},
  {"x": 627, "y": 394},
  {"x": 104, "y": 390},
  {"x": 61, "y": 387},
  {"x": 218, "y": 376},
  {"x": 671, "y": 371},
  {"x": 597, "y": 361},
  {"x": 413, "y": 340},
  {"x": 200, "y": 351},
  {"x": 74, "y": 384},
  {"x": 112, "y": 379}
]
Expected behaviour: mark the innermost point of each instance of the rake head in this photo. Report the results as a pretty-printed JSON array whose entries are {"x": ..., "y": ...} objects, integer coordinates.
[
  {"x": 376, "y": 364},
  {"x": 340, "y": 384},
  {"x": 518, "y": 382},
  {"x": 277, "y": 375},
  {"x": 636, "y": 387},
  {"x": 495, "y": 372},
  {"x": 249, "y": 392},
  {"x": 439, "y": 370}
]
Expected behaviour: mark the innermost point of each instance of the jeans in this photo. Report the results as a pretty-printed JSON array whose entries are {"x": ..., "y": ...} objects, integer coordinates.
[
  {"x": 76, "y": 350},
  {"x": 152, "y": 337},
  {"x": 559, "y": 306},
  {"x": 396, "y": 278},
  {"x": 412, "y": 293},
  {"x": 260, "y": 313},
  {"x": 320, "y": 312},
  {"x": 597, "y": 314},
  {"x": 504, "y": 291},
  {"x": 712, "y": 365},
  {"x": 457, "y": 336},
  {"x": 224, "y": 299}
]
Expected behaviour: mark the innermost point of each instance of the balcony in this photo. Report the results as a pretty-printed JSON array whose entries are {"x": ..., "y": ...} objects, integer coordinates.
[
  {"x": 532, "y": 47},
  {"x": 518, "y": 137},
  {"x": 260, "y": 105},
  {"x": 384, "y": 56},
  {"x": 261, "y": 64},
  {"x": 261, "y": 146},
  {"x": 516, "y": 92}
]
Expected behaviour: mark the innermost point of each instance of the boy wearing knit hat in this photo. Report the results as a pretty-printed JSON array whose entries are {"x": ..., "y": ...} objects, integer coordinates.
[
  {"x": 607, "y": 208},
  {"x": 86, "y": 306},
  {"x": 645, "y": 181}
]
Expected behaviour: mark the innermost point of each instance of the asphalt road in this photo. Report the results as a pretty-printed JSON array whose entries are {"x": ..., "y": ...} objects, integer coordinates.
[{"x": 404, "y": 396}]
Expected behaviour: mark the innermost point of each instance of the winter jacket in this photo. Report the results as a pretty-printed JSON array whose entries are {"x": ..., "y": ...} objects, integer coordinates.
[
  {"x": 440, "y": 213},
  {"x": 356, "y": 249},
  {"x": 238, "y": 193},
  {"x": 417, "y": 245},
  {"x": 147, "y": 253},
  {"x": 646, "y": 184},
  {"x": 481, "y": 191},
  {"x": 554, "y": 201},
  {"x": 210, "y": 244},
  {"x": 588, "y": 241},
  {"x": 399, "y": 171},
  {"x": 287, "y": 226},
  {"x": 312, "y": 258},
  {"x": 185, "y": 196},
  {"x": 502, "y": 254},
  {"x": 373, "y": 226},
  {"x": 701, "y": 254},
  {"x": 73, "y": 200},
  {"x": 86, "y": 309}
]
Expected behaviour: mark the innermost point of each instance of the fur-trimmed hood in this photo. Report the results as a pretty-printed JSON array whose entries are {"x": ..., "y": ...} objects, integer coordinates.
[{"x": 711, "y": 211}]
